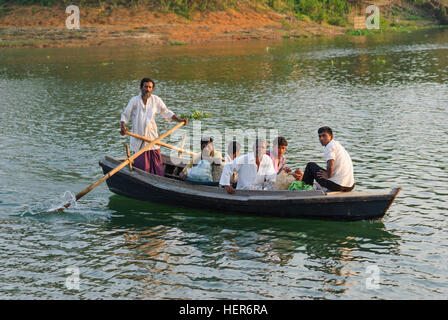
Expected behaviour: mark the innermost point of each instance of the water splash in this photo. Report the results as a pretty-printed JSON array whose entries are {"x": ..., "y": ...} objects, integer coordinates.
[{"x": 52, "y": 205}]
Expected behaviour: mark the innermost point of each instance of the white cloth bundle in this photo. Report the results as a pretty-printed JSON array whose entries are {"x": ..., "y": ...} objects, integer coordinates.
[{"x": 283, "y": 181}]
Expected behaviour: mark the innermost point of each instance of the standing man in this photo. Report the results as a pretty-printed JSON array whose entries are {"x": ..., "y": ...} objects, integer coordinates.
[
  {"x": 339, "y": 173},
  {"x": 142, "y": 110}
]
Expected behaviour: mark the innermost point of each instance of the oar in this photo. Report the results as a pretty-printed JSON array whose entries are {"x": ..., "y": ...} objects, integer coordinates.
[
  {"x": 120, "y": 166},
  {"x": 160, "y": 143}
]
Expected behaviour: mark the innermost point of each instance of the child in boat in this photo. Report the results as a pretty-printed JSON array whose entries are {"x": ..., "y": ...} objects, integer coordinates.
[{"x": 284, "y": 174}]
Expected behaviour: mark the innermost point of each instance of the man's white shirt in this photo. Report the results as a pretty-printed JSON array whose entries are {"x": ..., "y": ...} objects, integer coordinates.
[
  {"x": 143, "y": 119},
  {"x": 227, "y": 159},
  {"x": 343, "y": 166},
  {"x": 249, "y": 176}
]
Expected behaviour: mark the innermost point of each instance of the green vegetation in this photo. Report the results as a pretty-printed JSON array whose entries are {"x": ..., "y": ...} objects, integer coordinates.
[
  {"x": 333, "y": 12},
  {"x": 392, "y": 27},
  {"x": 181, "y": 7},
  {"x": 438, "y": 7},
  {"x": 177, "y": 43},
  {"x": 416, "y": 15},
  {"x": 329, "y": 11},
  {"x": 186, "y": 7},
  {"x": 195, "y": 115}
]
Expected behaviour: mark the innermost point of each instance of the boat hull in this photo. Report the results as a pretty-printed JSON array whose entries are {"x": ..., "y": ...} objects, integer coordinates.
[{"x": 140, "y": 185}]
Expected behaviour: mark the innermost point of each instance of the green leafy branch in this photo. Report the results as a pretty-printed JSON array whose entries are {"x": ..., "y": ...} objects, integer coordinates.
[{"x": 195, "y": 115}]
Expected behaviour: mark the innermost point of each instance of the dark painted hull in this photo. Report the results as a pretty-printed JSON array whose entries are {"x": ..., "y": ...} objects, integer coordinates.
[{"x": 354, "y": 205}]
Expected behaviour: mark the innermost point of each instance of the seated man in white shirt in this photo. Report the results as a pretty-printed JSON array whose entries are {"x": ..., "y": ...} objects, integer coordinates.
[
  {"x": 255, "y": 170},
  {"x": 339, "y": 173}
]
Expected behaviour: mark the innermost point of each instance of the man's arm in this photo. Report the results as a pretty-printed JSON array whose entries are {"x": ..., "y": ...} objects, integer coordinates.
[
  {"x": 168, "y": 114},
  {"x": 125, "y": 116},
  {"x": 227, "y": 173},
  {"x": 123, "y": 128},
  {"x": 330, "y": 168},
  {"x": 174, "y": 117},
  {"x": 298, "y": 174},
  {"x": 327, "y": 174},
  {"x": 286, "y": 169}
]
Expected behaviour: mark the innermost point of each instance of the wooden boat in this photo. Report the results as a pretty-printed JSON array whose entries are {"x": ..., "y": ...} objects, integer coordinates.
[{"x": 137, "y": 184}]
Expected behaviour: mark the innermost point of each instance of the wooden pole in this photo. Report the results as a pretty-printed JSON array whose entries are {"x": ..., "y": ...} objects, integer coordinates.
[
  {"x": 160, "y": 143},
  {"x": 182, "y": 145},
  {"x": 120, "y": 166},
  {"x": 128, "y": 154}
]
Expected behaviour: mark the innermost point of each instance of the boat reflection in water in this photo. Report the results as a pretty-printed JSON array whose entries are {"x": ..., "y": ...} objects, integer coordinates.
[{"x": 183, "y": 253}]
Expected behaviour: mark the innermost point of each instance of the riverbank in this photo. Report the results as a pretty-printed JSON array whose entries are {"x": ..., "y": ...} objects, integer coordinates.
[
  {"x": 45, "y": 27},
  {"x": 40, "y": 26}
]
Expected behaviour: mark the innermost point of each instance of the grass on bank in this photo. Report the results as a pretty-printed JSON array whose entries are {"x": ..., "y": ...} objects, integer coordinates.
[
  {"x": 334, "y": 12},
  {"x": 386, "y": 26}
]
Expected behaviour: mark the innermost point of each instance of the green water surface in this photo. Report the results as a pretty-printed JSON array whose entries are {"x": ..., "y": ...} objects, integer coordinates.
[{"x": 385, "y": 96}]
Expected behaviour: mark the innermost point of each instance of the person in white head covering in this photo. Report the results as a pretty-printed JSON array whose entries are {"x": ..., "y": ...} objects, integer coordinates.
[{"x": 255, "y": 170}]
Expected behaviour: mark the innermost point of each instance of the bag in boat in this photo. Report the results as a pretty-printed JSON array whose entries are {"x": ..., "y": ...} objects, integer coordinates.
[
  {"x": 283, "y": 180},
  {"x": 201, "y": 172}
]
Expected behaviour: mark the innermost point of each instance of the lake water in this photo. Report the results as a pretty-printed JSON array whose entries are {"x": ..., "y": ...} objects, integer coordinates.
[{"x": 386, "y": 98}]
